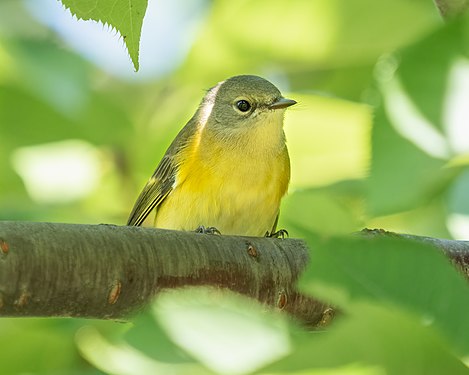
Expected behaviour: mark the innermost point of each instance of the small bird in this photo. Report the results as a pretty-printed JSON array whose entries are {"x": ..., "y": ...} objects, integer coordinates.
[{"x": 227, "y": 169}]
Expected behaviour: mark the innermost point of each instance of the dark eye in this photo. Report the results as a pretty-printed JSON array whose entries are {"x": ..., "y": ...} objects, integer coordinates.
[{"x": 243, "y": 105}]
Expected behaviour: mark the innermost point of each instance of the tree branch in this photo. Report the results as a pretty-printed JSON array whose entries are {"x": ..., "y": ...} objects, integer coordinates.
[
  {"x": 109, "y": 272},
  {"x": 106, "y": 271},
  {"x": 451, "y": 8}
]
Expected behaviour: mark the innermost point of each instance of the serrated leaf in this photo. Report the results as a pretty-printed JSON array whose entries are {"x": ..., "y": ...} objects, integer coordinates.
[{"x": 126, "y": 16}]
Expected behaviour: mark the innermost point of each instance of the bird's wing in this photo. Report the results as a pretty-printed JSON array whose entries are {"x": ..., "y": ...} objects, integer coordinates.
[
  {"x": 162, "y": 181},
  {"x": 154, "y": 192}
]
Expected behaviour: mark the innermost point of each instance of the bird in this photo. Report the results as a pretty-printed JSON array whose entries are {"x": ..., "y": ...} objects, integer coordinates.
[{"x": 228, "y": 168}]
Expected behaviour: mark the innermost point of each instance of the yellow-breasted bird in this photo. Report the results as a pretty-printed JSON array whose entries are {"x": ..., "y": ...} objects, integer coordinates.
[{"x": 228, "y": 168}]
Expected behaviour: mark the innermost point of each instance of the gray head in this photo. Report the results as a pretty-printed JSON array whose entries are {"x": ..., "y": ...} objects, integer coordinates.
[{"x": 242, "y": 101}]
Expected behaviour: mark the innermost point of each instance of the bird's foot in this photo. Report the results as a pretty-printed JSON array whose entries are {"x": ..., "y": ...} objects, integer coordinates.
[
  {"x": 281, "y": 233},
  {"x": 207, "y": 230}
]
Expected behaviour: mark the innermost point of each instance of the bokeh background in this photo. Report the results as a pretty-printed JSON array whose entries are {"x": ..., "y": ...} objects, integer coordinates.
[{"x": 380, "y": 137}]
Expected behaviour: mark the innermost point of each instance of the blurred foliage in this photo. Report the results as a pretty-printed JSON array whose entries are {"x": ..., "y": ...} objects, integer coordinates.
[{"x": 379, "y": 138}]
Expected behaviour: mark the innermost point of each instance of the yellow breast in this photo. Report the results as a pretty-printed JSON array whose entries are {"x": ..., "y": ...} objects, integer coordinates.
[{"x": 236, "y": 188}]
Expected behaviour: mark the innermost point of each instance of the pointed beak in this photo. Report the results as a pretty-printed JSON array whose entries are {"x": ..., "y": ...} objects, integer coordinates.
[{"x": 282, "y": 103}]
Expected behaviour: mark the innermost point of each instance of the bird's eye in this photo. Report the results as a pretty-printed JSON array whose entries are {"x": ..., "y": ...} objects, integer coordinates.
[{"x": 243, "y": 105}]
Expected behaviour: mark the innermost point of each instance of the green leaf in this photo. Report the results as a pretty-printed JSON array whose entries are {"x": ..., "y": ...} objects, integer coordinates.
[
  {"x": 428, "y": 84},
  {"x": 148, "y": 337},
  {"x": 126, "y": 16},
  {"x": 328, "y": 140},
  {"x": 420, "y": 125},
  {"x": 427, "y": 220},
  {"x": 224, "y": 331},
  {"x": 458, "y": 202},
  {"x": 371, "y": 339},
  {"x": 324, "y": 38},
  {"x": 31, "y": 346},
  {"x": 331, "y": 210},
  {"x": 402, "y": 175},
  {"x": 393, "y": 272}
]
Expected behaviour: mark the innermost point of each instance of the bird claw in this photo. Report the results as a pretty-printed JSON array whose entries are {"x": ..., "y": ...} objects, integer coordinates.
[
  {"x": 281, "y": 233},
  {"x": 207, "y": 230}
]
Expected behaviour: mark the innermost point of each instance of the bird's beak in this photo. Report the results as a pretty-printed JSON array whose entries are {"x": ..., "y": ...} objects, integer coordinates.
[{"x": 282, "y": 103}]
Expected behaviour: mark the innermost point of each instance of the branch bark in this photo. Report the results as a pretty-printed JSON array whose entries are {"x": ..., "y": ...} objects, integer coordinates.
[
  {"x": 451, "y": 8},
  {"x": 456, "y": 251},
  {"x": 110, "y": 272}
]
